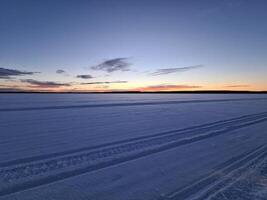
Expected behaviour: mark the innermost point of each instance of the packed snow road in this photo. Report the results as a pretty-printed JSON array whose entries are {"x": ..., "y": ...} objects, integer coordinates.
[{"x": 133, "y": 146}]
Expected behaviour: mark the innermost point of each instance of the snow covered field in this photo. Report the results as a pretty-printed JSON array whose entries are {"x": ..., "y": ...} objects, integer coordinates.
[{"x": 133, "y": 146}]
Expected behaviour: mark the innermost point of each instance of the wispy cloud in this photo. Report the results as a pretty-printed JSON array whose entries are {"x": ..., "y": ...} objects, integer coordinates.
[
  {"x": 237, "y": 86},
  {"x": 166, "y": 87},
  {"x": 44, "y": 84},
  {"x": 9, "y": 73},
  {"x": 102, "y": 87},
  {"x": 104, "y": 82},
  {"x": 174, "y": 70},
  {"x": 8, "y": 89},
  {"x": 60, "y": 71},
  {"x": 85, "y": 76},
  {"x": 112, "y": 65}
]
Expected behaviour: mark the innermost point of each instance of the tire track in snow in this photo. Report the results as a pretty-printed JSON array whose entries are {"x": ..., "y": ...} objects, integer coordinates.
[
  {"x": 18, "y": 176},
  {"x": 126, "y": 104}
]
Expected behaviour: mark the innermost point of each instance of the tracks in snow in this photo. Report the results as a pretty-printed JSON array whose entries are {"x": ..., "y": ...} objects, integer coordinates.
[
  {"x": 23, "y": 174},
  {"x": 127, "y": 104},
  {"x": 214, "y": 185},
  {"x": 251, "y": 186}
]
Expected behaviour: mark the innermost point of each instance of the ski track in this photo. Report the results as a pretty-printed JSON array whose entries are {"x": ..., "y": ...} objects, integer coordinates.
[
  {"x": 27, "y": 173},
  {"x": 251, "y": 186},
  {"x": 127, "y": 104},
  {"x": 221, "y": 181}
]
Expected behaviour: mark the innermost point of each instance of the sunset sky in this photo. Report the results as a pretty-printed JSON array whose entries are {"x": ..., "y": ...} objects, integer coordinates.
[{"x": 145, "y": 45}]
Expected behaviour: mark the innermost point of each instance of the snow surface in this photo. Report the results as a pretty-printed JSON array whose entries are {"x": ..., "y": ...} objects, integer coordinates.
[{"x": 133, "y": 146}]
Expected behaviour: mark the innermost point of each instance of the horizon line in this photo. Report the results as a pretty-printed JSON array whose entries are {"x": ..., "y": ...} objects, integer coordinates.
[{"x": 142, "y": 92}]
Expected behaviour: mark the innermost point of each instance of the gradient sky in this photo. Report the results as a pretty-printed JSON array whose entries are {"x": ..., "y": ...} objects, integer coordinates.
[{"x": 87, "y": 45}]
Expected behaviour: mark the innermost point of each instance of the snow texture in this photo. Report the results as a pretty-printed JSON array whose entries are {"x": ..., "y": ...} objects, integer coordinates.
[{"x": 133, "y": 146}]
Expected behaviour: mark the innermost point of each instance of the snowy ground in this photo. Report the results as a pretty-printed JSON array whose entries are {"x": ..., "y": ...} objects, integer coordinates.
[{"x": 133, "y": 146}]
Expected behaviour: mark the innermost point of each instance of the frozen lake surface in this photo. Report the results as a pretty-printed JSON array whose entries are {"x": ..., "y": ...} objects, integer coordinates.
[{"x": 133, "y": 146}]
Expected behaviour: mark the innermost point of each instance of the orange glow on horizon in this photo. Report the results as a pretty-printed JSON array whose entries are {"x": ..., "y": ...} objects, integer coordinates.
[{"x": 132, "y": 87}]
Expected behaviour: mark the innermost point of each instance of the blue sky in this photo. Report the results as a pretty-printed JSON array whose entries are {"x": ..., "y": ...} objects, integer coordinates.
[{"x": 225, "y": 39}]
